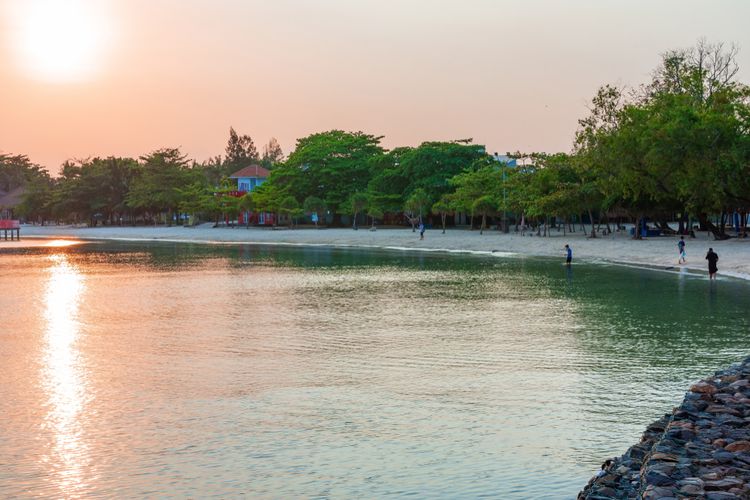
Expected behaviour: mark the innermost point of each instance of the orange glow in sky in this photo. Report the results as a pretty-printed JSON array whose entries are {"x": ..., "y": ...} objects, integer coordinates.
[{"x": 84, "y": 78}]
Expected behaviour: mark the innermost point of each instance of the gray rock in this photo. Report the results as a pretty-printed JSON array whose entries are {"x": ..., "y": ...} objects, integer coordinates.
[
  {"x": 721, "y": 495},
  {"x": 658, "y": 478},
  {"x": 723, "y": 484},
  {"x": 691, "y": 490},
  {"x": 723, "y": 457}
]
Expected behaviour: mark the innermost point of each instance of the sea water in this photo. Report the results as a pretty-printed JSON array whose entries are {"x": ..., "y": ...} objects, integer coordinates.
[{"x": 177, "y": 370}]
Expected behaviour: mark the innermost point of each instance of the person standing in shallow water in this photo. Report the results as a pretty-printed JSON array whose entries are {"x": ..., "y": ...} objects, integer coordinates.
[
  {"x": 712, "y": 259},
  {"x": 568, "y": 254},
  {"x": 421, "y": 230},
  {"x": 681, "y": 249}
]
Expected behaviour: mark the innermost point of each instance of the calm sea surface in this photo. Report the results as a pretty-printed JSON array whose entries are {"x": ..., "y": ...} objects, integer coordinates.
[{"x": 174, "y": 370}]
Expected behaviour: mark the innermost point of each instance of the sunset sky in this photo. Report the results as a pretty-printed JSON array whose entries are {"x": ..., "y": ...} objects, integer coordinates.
[{"x": 86, "y": 78}]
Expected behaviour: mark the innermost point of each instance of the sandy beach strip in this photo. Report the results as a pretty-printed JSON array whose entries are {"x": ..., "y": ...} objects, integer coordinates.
[{"x": 618, "y": 247}]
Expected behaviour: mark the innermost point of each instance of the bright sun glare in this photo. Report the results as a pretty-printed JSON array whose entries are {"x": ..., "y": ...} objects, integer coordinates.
[{"x": 61, "y": 40}]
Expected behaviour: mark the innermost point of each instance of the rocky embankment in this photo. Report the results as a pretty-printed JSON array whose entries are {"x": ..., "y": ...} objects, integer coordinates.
[{"x": 700, "y": 450}]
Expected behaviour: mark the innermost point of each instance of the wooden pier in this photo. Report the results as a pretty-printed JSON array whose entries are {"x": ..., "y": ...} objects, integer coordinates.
[{"x": 11, "y": 226}]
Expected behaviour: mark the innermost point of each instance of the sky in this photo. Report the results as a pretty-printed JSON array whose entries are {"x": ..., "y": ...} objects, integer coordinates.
[{"x": 85, "y": 78}]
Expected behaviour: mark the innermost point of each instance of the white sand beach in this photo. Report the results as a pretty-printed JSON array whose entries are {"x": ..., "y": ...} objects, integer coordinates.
[{"x": 659, "y": 252}]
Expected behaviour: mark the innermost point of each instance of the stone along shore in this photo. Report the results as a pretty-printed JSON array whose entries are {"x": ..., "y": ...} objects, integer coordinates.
[{"x": 700, "y": 450}]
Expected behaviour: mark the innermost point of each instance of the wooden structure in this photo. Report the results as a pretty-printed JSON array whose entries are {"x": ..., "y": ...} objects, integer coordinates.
[{"x": 11, "y": 226}]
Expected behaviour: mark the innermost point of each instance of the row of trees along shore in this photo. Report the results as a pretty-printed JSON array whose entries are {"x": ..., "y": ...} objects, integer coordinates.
[{"x": 675, "y": 147}]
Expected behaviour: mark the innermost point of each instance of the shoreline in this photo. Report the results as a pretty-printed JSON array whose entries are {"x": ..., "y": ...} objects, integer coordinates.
[{"x": 659, "y": 253}]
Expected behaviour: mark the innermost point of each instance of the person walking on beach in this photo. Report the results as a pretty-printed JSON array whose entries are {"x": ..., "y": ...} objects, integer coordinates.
[
  {"x": 568, "y": 254},
  {"x": 681, "y": 248},
  {"x": 421, "y": 230},
  {"x": 712, "y": 259}
]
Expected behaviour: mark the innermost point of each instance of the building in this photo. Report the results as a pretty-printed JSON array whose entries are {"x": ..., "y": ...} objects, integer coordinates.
[
  {"x": 505, "y": 159},
  {"x": 248, "y": 179}
]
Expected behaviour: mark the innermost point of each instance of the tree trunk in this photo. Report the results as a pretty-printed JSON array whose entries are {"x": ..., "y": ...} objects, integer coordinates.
[
  {"x": 591, "y": 220},
  {"x": 481, "y": 228},
  {"x": 442, "y": 217},
  {"x": 705, "y": 222}
]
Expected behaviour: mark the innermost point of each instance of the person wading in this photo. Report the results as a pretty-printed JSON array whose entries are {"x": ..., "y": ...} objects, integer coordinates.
[
  {"x": 681, "y": 249},
  {"x": 712, "y": 259}
]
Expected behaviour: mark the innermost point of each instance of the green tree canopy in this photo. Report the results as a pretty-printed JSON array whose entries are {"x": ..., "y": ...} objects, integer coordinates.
[{"x": 329, "y": 165}]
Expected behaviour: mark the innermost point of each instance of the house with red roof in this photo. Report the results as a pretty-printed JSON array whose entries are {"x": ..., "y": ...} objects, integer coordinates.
[{"x": 248, "y": 179}]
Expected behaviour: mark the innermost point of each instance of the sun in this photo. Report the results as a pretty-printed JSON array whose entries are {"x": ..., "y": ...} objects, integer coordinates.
[{"x": 60, "y": 40}]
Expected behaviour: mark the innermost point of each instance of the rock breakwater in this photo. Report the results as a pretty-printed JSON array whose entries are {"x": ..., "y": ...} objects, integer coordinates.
[{"x": 700, "y": 450}]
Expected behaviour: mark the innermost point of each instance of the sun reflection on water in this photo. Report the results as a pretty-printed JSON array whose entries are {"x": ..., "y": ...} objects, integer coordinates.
[
  {"x": 62, "y": 375},
  {"x": 61, "y": 243}
]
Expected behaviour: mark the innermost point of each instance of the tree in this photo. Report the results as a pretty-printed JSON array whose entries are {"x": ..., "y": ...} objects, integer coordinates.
[
  {"x": 289, "y": 206},
  {"x": 240, "y": 151},
  {"x": 316, "y": 206},
  {"x": 484, "y": 206},
  {"x": 329, "y": 165},
  {"x": 681, "y": 145},
  {"x": 198, "y": 199},
  {"x": 416, "y": 205},
  {"x": 18, "y": 172},
  {"x": 247, "y": 204},
  {"x": 443, "y": 208},
  {"x": 699, "y": 72},
  {"x": 480, "y": 180},
  {"x": 375, "y": 212},
  {"x": 411, "y": 209},
  {"x": 272, "y": 154},
  {"x": 157, "y": 187},
  {"x": 36, "y": 204},
  {"x": 428, "y": 167},
  {"x": 357, "y": 203},
  {"x": 214, "y": 170},
  {"x": 267, "y": 198}
]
